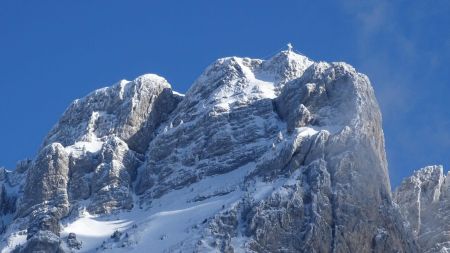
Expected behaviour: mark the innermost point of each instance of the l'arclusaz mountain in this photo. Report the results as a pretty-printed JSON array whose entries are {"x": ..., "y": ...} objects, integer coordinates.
[{"x": 278, "y": 155}]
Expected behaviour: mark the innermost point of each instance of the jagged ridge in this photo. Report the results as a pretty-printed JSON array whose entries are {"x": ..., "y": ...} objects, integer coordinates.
[
  {"x": 281, "y": 155},
  {"x": 424, "y": 199}
]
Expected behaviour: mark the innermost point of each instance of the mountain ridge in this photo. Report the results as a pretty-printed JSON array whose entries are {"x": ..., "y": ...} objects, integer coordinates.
[{"x": 278, "y": 155}]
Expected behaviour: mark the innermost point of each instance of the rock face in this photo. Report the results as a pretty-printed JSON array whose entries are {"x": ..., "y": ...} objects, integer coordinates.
[
  {"x": 72, "y": 241},
  {"x": 424, "y": 199},
  {"x": 93, "y": 153},
  {"x": 105, "y": 135},
  {"x": 278, "y": 155},
  {"x": 129, "y": 110},
  {"x": 226, "y": 120}
]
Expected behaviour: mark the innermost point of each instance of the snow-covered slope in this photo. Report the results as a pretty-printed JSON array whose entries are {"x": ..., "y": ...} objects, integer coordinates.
[{"x": 278, "y": 155}]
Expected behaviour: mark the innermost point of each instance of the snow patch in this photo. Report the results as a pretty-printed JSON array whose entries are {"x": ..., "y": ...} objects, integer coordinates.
[
  {"x": 82, "y": 147},
  {"x": 172, "y": 221}
]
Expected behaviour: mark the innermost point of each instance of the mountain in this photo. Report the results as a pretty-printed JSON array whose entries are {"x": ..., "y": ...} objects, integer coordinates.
[
  {"x": 424, "y": 199},
  {"x": 277, "y": 155}
]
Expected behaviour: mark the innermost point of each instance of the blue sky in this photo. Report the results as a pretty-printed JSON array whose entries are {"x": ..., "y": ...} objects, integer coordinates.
[{"x": 52, "y": 52}]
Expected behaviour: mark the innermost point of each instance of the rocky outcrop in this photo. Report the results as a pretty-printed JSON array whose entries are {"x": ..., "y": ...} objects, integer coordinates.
[
  {"x": 92, "y": 154},
  {"x": 46, "y": 184},
  {"x": 228, "y": 108},
  {"x": 112, "y": 179},
  {"x": 105, "y": 134},
  {"x": 278, "y": 155},
  {"x": 42, "y": 241},
  {"x": 319, "y": 122},
  {"x": 73, "y": 243},
  {"x": 130, "y": 110},
  {"x": 424, "y": 199},
  {"x": 332, "y": 156}
]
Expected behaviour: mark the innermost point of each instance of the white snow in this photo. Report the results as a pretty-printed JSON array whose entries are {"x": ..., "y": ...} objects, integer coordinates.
[
  {"x": 170, "y": 221},
  {"x": 124, "y": 86},
  {"x": 263, "y": 189},
  {"x": 262, "y": 88},
  {"x": 81, "y": 147},
  {"x": 14, "y": 240},
  {"x": 178, "y": 93},
  {"x": 253, "y": 88},
  {"x": 16, "y": 237}
]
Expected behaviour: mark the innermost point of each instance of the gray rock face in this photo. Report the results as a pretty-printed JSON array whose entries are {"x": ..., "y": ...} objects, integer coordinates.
[
  {"x": 332, "y": 134},
  {"x": 129, "y": 110},
  {"x": 112, "y": 178},
  {"x": 104, "y": 135},
  {"x": 228, "y": 108},
  {"x": 278, "y": 155},
  {"x": 42, "y": 241},
  {"x": 73, "y": 243},
  {"x": 92, "y": 154},
  {"x": 45, "y": 199},
  {"x": 424, "y": 199},
  {"x": 46, "y": 182},
  {"x": 329, "y": 202}
]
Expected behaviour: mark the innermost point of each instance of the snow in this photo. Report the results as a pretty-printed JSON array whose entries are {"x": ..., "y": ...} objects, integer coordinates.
[
  {"x": 14, "y": 240},
  {"x": 151, "y": 78},
  {"x": 265, "y": 88},
  {"x": 124, "y": 86},
  {"x": 166, "y": 229},
  {"x": 81, "y": 147},
  {"x": 91, "y": 229},
  {"x": 263, "y": 189},
  {"x": 254, "y": 88},
  {"x": 18, "y": 237},
  {"x": 306, "y": 131},
  {"x": 170, "y": 221},
  {"x": 178, "y": 93}
]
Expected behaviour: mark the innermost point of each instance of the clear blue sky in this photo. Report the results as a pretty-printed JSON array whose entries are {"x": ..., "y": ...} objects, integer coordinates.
[{"x": 52, "y": 52}]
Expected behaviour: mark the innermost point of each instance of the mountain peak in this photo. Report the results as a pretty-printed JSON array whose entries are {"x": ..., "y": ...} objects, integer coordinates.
[
  {"x": 274, "y": 155},
  {"x": 424, "y": 200},
  {"x": 287, "y": 64},
  {"x": 152, "y": 80}
]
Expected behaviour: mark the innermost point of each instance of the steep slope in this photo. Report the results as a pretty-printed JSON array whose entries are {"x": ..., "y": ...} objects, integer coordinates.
[
  {"x": 278, "y": 155},
  {"x": 424, "y": 199},
  {"x": 91, "y": 156}
]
